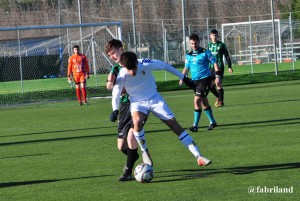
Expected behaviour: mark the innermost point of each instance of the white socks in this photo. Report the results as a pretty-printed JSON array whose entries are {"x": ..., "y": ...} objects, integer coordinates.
[
  {"x": 188, "y": 142},
  {"x": 141, "y": 140}
]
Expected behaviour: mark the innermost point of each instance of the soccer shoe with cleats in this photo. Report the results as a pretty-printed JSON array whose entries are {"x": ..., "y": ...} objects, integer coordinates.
[
  {"x": 86, "y": 103},
  {"x": 127, "y": 175},
  {"x": 202, "y": 161},
  {"x": 211, "y": 126},
  {"x": 147, "y": 158},
  {"x": 193, "y": 128},
  {"x": 80, "y": 104},
  {"x": 219, "y": 104}
]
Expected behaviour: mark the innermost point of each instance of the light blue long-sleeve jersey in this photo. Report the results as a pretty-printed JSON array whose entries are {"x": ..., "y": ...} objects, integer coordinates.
[{"x": 198, "y": 63}]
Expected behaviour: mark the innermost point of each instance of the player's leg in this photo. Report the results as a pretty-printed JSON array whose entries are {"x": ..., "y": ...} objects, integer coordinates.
[
  {"x": 162, "y": 110},
  {"x": 197, "y": 114},
  {"x": 83, "y": 88},
  {"x": 212, "y": 88},
  {"x": 208, "y": 112},
  {"x": 202, "y": 90},
  {"x": 138, "y": 130},
  {"x": 77, "y": 88},
  {"x": 124, "y": 126},
  {"x": 187, "y": 141},
  {"x": 139, "y": 115},
  {"x": 220, "y": 92},
  {"x": 132, "y": 157},
  {"x": 78, "y": 94}
]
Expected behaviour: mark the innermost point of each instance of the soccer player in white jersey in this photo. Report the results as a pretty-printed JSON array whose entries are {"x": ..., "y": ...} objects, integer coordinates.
[{"x": 136, "y": 76}]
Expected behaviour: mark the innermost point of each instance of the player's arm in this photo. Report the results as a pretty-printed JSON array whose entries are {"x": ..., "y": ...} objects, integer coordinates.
[
  {"x": 116, "y": 93},
  {"x": 185, "y": 72},
  {"x": 218, "y": 74},
  {"x": 212, "y": 59},
  {"x": 160, "y": 65},
  {"x": 69, "y": 70},
  {"x": 228, "y": 60},
  {"x": 87, "y": 68},
  {"x": 111, "y": 78}
]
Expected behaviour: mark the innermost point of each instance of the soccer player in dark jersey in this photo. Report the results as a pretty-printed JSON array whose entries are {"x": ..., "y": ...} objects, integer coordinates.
[
  {"x": 126, "y": 140},
  {"x": 218, "y": 49},
  {"x": 197, "y": 61}
]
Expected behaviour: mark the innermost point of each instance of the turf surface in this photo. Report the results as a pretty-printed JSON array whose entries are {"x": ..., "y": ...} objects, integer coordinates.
[{"x": 62, "y": 151}]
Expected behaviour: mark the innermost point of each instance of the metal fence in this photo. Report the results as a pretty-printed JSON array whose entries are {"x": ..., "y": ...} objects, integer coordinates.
[
  {"x": 34, "y": 58},
  {"x": 151, "y": 28}
]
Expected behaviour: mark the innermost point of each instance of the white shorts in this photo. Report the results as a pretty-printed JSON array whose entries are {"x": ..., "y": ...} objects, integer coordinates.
[{"x": 157, "y": 105}]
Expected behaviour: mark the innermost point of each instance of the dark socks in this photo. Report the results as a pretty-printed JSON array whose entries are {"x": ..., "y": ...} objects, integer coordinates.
[
  {"x": 132, "y": 156},
  {"x": 214, "y": 91},
  {"x": 221, "y": 94}
]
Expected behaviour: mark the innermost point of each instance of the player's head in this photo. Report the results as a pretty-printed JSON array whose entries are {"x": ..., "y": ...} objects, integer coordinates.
[
  {"x": 129, "y": 60},
  {"x": 213, "y": 35},
  {"x": 194, "y": 41},
  {"x": 76, "y": 49},
  {"x": 114, "y": 49}
]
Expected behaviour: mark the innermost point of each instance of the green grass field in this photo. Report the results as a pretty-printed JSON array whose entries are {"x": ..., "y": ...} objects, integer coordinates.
[
  {"x": 60, "y": 151},
  {"x": 100, "y": 80}
]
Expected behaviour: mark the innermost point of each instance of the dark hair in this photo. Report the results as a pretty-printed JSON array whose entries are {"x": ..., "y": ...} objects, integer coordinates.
[
  {"x": 194, "y": 37},
  {"x": 128, "y": 60},
  {"x": 76, "y": 46},
  {"x": 114, "y": 43},
  {"x": 214, "y": 31}
]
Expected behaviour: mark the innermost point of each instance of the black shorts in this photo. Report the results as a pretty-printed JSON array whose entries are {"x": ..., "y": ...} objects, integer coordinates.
[
  {"x": 125, "y": 120},
  {"x": 202, "y": 87}
]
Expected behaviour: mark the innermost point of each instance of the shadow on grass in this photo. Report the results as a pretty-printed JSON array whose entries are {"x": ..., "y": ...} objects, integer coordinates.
[
  {"x": 113, "y": 126},
  {"x": 255, "y": 123},
  {"x": 57, "y": 139},
  {"x": 72, "y": 138},
  {"x": 59, "y": 131},
  {"x": 24, "y": 183},
  {"x": 23, "y": 156},
  {"x": 201, "y": 173},
  {"x": 263, "y": 103}
]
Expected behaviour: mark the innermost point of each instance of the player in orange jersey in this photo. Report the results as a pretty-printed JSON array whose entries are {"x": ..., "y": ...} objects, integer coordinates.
[{"x": 78, "y": 67}]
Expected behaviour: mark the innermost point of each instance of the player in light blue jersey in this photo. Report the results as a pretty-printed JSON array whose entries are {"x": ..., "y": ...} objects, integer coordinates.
[{"x": 197, "y": 62}]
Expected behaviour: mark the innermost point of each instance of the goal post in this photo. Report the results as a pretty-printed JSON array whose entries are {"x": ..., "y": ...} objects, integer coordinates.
[
  {"x": 33, "y": 60},
  {"x": 253, "y": 40}
]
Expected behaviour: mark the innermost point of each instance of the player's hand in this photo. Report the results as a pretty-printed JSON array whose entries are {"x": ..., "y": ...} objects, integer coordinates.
[
  {"x": 87, "y": 76},
  {"x": 180, "y": 82},
  {"x": 114, "y": 115},
  {"x": 69, "y": 80},
  {"x": 189, "y": 83},
  {"x": 230, "y": 70}
]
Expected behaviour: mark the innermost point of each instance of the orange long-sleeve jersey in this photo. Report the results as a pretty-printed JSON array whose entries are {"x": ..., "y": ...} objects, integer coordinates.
[{"x": 78, "y": 64}]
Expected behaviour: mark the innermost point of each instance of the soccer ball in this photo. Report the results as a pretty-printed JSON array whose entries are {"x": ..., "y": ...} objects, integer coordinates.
[{"x": 143, "y": 173}]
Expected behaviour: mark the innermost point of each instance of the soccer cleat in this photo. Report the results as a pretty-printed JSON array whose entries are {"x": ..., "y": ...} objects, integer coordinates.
[
  {"x": 147, "y": 158},
  {"x": 211, "y": 126},
  {"x": 86, "y": 103},
  {"x": 202, "y": 161},
  {"x": 80, "y": 104},
  {"x": 127, "y": 175},
  {"x": 193, "y": 128},
  {"x": 219, "y": 104}
]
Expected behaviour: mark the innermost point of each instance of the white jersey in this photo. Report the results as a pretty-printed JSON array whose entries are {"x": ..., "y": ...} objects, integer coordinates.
[{"x": 142, "y": 86}]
